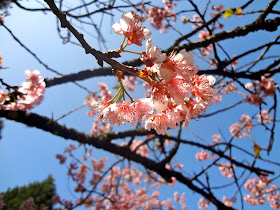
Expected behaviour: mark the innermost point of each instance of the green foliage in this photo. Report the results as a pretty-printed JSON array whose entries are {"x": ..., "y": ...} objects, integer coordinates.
[{"x": 41, "y": 192}]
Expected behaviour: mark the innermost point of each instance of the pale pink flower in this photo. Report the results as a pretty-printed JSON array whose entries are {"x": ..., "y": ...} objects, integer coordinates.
[
  {"x": 233, "y": 64},
  {"x": 207, "y": 50},
  {"x": 264, "y": 117},
  {"x": 98, "y": 165},
  {"x": 129, "y": 82},
  {"x": 180, "y": 166},
  {"x": 179, "y": 89},
  {"x": 28, "y": 205},
  {"x": 182, "y": 201},
  {"x": 30, "y": 93},
  {"x": 81, "y": 175},
  {"x": 156, "y": 194},
  {"x": 152, "y": 55},
  {"x": 247, "y": 122},
  {"x": 168, "y": 204},
  {"x": 181, "y": 63},
  {"x": 100, "y": 128},
  {"x": 249, "y": 86},
  {"x": 176, "y": 196},
  {"x": 158, "y": 15},
  {"x": 128, "y": 27},
  {"x": 196, "y": 20},
  {"x": 139, "y": 147},
  {"x": 118, "y": 114},
  {"x": 159, "y": 96},
  {"x": 226, "y": 169},
  {"x": 158, "y": 122},
  {"x": 92, "y": 102},
  {"x": 229, "y": 202},
  {"x": 203, "y": 89},
  {"x": 204, "y": 34},
  {"x": 230, "y": 88},
  {"x": 254, "y": 99},
  {"x": 268, "y": 86},
  {"x": 235, "y": 130},
  {"x": 257, "y": 188},
  {"x": 96, "y": 178},
  {"x": 216, "y": 138},
  {"x": 203, "y": 155},
  {"x": 143, "y": 106},
  {"x": 203, "y": 203}
]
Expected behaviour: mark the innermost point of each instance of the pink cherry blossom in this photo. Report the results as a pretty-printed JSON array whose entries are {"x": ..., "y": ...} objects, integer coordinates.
[
  {"x": 139, "y": 147},
  {"x": 98, "y": 165},
  {"x": 202, "y": 88},
  {"x": 129, "y": 82},
  {"x": 203, "y": 155},
  {"x": 28, "y": 204},
  {"x": 30, "y": 93},
  {"x": 158, "y": 122},
  {"x": 203, "y": 34},
  {"x": 179, "y": 89},
  {"x": 267, "y": 85},
  {"x": 247, "y": 122},
  {"x": 235, "y": 130},
  {"x": 152, "y": 55},
  {"x": 229, "y": 202},
  {"x": 216, "y": 138},
  {"x": 264, "y": 117},
  {"x": 254, "y": 99},
  {"x": 233, "y": 64},
  {"x": 128, "y": 27},
  {"x": 226, "y": 169},
  {"x": 230, "y": 88},
  {"x": 203, "y": 203},
  {"x": 181, "y": 63}
]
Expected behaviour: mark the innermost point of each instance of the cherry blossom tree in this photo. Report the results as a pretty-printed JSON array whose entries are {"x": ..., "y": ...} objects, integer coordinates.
[{"x": 211, "y": 67}]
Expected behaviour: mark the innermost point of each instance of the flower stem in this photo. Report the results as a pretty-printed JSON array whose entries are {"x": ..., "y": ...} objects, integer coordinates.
[{"x": 138, "y": 53}]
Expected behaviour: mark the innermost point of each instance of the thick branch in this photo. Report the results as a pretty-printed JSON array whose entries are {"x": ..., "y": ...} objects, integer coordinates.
[
  {"x": 268, "y": 25},
  {"x": 104, "y": 142}
]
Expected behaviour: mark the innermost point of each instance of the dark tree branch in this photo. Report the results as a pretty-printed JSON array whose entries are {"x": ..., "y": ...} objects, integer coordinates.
[{"x": 104, "y": 142}]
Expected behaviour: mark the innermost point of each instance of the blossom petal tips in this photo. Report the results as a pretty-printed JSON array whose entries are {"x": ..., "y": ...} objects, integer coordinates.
[
  {"x": 211, "y": 80},
  {"x": 129, "y": 28}
]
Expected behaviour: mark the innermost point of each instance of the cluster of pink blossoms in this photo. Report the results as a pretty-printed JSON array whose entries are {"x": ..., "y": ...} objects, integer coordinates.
[
  {"x": 117, "y": 188},
  {"x": 30, "y": 93},
  {"x": 259, "y": 189},
  {"x": 260, "y": 90},
  {"x": 128, "y": 27},
  {"x": 226, "y": 169},
  {"x": 203, "y": 203},
  {"x": 157, "y": 15},
  {"x": 177, "y": 93},
  {"x": 240, "y": 130},
  {"x": 203, "y": 155}
]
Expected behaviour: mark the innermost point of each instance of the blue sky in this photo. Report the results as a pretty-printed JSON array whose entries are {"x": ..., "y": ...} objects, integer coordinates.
[{"x": 27, "y": 154}]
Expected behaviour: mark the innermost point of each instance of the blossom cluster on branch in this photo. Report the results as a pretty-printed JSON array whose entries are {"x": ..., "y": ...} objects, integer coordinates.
[
  {"x": 177, "y": 93},
  {"x": 26, "y": 96}
]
